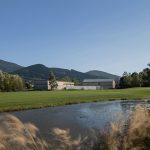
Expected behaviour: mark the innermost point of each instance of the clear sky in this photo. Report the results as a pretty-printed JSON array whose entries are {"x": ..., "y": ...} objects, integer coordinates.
[{"x": 107, "y": 35}]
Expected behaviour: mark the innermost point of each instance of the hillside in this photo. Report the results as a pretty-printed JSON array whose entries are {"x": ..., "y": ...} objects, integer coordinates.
[
  {"x": 73, "y": 74},
  {"x": 39, "y": 71},
  {"x": 103, "y": 75},
  {"x": 9, "y": 66}
]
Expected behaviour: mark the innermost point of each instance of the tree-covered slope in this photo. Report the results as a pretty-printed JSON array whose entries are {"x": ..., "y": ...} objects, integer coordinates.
[
  {"x": 39, "y": 71},
  {"x": 9, "y": 66},
  {"x": 103, "y": 75}
]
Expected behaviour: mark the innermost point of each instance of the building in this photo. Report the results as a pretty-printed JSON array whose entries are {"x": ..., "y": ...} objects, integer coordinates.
[
  {"x": 102, "y": 83},
  {"x": 64, "y": 84},
  {"x": 83, "y": 87},
  {"x": 41, "y": 85},
  {"x": 44, "y": 85}
]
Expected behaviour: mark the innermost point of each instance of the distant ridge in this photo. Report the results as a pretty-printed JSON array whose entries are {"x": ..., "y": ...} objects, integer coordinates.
[
  {"x": 103, "y": 75},
  {"x": 37, "y": 71},
  {"x": 9, "y": 66},
  {"x": 40, "y": 71}
]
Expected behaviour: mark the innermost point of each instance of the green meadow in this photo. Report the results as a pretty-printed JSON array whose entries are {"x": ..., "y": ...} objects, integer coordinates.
[{"x": 11, "y": 101}]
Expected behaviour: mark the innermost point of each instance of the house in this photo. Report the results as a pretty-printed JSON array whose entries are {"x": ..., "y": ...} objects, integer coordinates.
[
  {"x": 44, "y": 85},
  {"x": 64, "y": 84},
  {"x": 41, "y": 85},
  {"x": 102, "y": 83}
]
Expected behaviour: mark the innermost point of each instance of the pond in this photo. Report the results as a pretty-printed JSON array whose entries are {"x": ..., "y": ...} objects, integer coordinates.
[{"x": 79, "y": 118}]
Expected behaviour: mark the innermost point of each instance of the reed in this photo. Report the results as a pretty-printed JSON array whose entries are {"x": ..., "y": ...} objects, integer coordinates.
[
  {"x": 14, "y": 135},
  {"x": 131, "y": 134}
]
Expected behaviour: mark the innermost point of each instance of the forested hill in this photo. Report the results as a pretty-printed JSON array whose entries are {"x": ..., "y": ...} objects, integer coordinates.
[
  {"x": 102, "y": 74},
  {"x": 9, "y": 66},
  {"x": 40, "y": 71}
]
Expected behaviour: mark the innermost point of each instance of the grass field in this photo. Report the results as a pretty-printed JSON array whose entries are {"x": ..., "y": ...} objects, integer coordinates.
[{"x": 10, "y": 101}]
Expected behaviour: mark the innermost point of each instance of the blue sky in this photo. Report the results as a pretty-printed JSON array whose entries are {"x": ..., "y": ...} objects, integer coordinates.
[{"x": 107, "y": 35}]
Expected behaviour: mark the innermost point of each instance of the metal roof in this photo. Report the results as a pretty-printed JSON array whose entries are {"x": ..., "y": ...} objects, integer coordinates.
[{"x": 98, "y": 80}]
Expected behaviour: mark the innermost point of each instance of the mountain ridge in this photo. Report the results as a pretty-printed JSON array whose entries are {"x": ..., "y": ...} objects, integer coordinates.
[
  {"x": 40, "y": 71},
  {"x": 103, "y": 74},
  {"x": 9, "y": 66}
]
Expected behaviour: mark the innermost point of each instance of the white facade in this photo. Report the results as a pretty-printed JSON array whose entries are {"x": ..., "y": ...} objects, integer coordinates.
[
  {"x": 44, "y": 85},
  {"x": 63, "y": 85},
  {"x": 83, "y": 87}
]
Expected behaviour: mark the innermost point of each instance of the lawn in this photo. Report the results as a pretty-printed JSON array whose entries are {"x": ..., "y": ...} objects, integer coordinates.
[{"x": 10, "y": 101}]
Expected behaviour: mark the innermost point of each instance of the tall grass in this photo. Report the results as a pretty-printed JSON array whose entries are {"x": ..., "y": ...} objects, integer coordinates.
[
  {"x": 131, "y": 134},
  {"x": 14, "y": 135}
]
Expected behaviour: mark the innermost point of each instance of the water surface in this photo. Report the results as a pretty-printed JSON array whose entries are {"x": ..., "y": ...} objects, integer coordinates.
[{"x": 79, "y": 118}]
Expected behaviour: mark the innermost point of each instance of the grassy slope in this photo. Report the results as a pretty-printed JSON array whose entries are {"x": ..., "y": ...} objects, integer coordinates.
[{"x": 36, "y": 99}]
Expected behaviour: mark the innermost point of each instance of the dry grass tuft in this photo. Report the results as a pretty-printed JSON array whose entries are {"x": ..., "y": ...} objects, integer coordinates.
[
  {"x": 66, "y": 142},
  {"x": 135, "y": 135},
  {"x": 131, "y": 134},
  {"x": 14, "y": 135}
]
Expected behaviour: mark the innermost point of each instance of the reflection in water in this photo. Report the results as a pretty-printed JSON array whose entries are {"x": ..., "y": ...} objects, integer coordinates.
[
  {"x": 78, "y": 118},
  {"x": 133, "y": 134}
]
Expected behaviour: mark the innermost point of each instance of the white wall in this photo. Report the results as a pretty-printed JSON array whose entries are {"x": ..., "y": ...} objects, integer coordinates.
[
  {"x": 62, "y": 85},
  {"x": 83, "y": 87}
]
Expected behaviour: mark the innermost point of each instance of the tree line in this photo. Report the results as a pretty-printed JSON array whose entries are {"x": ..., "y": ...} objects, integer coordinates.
[
  {"x": 9, "y": 82},
  {"x": 141, "y": 79}
]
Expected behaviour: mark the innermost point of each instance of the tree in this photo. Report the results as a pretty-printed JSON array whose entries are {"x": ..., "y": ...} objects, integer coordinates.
[
  {"x": 28, "y": 85},
  {"x": 9, "y": 82},
  {"x": 146, "y": 77},
  {"x": 52, "y": 81},
  {"x": 125, "y": 80},
  {"x": 135, "y": 80},
  {"x": 76, "y": 81},
  {"x": 1, "y": 81},
  {"x": 66, "y": 78}
]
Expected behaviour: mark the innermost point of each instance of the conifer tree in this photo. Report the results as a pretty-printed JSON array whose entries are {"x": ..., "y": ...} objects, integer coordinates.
[{"x": 52, "y": 81}]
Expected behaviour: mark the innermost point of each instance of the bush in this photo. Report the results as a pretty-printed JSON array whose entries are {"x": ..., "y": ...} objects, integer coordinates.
[{"x": 10, "y": 82}]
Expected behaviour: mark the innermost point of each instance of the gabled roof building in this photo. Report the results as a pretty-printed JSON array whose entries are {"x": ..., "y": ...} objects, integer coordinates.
[{"x": 102, "y": 83}]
